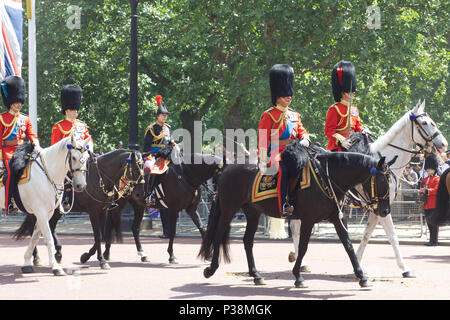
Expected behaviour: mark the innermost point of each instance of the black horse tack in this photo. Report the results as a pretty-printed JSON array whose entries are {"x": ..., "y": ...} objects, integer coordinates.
[{"x": 312, "y": 205}]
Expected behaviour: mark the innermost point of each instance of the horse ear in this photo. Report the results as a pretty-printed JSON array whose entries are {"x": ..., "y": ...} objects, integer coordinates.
[
  {"x": 381, "y": 163},
  {"x": 422, "y": 107},
  {"x": 416, "y": 108},
  {"x": 390, "y": 163}
]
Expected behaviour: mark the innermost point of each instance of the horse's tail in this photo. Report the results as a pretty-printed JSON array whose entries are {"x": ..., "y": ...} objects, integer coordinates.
[
  {"x": 26, "y": 229},
  {"x": 207, "y": 247},
  {"x": 441, "y": 214},
  {"x": 113, "y": 225}
]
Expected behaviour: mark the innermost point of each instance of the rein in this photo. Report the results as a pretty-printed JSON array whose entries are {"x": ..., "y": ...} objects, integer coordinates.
[{"x": 126, "y": 186}]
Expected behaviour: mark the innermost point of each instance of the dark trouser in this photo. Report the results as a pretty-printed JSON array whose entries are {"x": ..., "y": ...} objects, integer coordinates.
[
  {"x": 434, "y": 229},
  {"x": 151, "y": 181},
  {"x": 283, "y": 184}
]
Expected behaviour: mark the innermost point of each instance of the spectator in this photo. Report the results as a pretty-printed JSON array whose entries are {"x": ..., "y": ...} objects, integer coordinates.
[
  {"x": 429, "y": 190},
  {"x": 120, "y": 146},
  {"x": 444, "y": 161},
  {"x": 101, "y": 150},
  {"x": 409, "y": 181}
]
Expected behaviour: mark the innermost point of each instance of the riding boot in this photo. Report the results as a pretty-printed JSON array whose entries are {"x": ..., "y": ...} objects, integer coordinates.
[
  {"x": 12, "y": 209},
  {"x": 150, "y": 201},
  {"x": 286, "y": 207}
]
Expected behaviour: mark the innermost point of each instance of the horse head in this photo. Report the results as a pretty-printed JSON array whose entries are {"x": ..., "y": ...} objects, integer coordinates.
[
  {"x": 136, "y": 174},
  {"x": 424, "y": 130},
  {"x": 377, "y": 188},
  {"x": 77, "y": 158}
]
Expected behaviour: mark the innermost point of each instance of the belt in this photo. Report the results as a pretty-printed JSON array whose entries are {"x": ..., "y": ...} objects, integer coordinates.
[{"x": 7, "y": 143}]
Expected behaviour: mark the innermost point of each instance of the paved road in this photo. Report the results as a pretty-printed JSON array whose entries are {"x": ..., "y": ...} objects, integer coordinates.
[{"x": 331, "y": 276}]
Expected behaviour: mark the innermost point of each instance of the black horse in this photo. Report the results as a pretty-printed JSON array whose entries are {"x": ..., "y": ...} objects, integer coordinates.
[
  {"x": 181, "y": 186},
  {"x": 441, "y": 214},
  {"x": 110, "y": 177},
  {"x": 333, "y": 175}
]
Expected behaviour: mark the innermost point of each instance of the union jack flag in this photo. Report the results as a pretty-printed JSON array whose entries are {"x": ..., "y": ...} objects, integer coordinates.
[{"x": 11, "y": 20}]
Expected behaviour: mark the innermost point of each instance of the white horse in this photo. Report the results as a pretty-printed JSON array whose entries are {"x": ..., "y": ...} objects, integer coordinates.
[
  {"x": 42, "y": 194},
  {"x": 415, "y": 127}
]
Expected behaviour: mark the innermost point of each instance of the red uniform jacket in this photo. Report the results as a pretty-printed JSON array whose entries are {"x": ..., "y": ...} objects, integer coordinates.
[
  {"x": 65, "y": 128},
  {"x": 431, "y": 186},
  {"x": 15, "y": 128},
  {"x": 286, "y": 124},
  {"x": 336, "y": 124}
]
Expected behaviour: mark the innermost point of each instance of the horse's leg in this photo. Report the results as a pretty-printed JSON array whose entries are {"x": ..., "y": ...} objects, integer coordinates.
[
  {"x": 305, "y": 235},
  {"x": 112, "y": 222},
  {"x": 42, "y": 223},
  {"x": 52, "y": 223},
  {"x": 96, "y": 228},
  {"x": 370, "y": 227},
  {"x": 173, "y": 218},
  {"x": 36, "y": 258},
  {"x": 388, "y": 226},
  {"x": 27, "y": 265},
  {"x": 195, "y": 216},
  {"x": 136, "y": 229},
  {"x": 98, "y": 241},
  {"x": 249, "y": 236},
  {"x": 295, "y": 225},
  {"x": 345, "y": 239}
]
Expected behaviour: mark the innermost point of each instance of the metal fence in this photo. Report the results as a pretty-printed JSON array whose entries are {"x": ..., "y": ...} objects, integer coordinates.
[{"x": 406, "y": 211}]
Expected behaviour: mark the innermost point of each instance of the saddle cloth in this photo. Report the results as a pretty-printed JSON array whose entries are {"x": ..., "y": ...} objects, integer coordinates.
[
  {"x": 24, "y": 178},
  {"x": 265, "y": 186},
  {"x": 160, "y": 167}
]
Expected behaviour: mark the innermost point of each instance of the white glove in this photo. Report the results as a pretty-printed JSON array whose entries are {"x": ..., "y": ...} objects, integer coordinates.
[
  {"x": 305, "y": 142},
  {"x": 150, "y": 163},
  {"x": 346, "y": 144}
]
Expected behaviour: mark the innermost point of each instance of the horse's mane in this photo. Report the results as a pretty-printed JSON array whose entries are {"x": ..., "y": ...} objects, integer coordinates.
[
  {"x": 348, "y": 160},
  {"x": 360, "y": 143},
  {"x": 385, "y": 139}
]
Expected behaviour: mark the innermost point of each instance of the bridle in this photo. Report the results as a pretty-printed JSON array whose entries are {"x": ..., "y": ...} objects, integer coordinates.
[{"x": 127, "y": 182}]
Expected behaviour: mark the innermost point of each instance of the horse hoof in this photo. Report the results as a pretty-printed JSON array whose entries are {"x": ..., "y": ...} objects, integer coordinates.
[
  {"x": 300, "y": 284},
  {"x": 27, "y": 269},
  {"x": 145, "y": 259},
  {"x": 84, "y": 257},
  {"x": 173, "y": 261},
  {"x": 305, "y": 269},
  {"x": 259, "y": 281},
  {"x": 37, "y": 262},
  {"x": 58, "y": 272},
  {"x": 58, "y": 257},
  {"x": 207, "y": 273},
  {"x": 365, "y": 283},
  {"x": 106, "y": 257},
  {"x": 291, "y": 256},
  {"x": 408, "y": 274},
  {"x": 104, "y": 266}
]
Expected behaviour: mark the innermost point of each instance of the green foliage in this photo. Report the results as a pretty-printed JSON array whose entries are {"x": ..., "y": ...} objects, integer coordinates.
[{"x": 210, "y": 60}]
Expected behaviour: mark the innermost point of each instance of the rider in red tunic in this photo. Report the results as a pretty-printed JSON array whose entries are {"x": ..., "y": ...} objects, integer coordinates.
[
  {"x": 337, "y": 126},
  {"x": 70, "y": 105},
  {"x": 15, "y": 127},
  {"x": 278, "y": 126}
]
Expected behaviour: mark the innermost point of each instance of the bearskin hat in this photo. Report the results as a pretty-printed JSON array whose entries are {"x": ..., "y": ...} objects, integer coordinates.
[
  {"x": 281, "y": 79},
  {"x": 160, "y": 109},
  {"x": 13, "y": 90},
  {"x": 70, "y": 98},
  {"x": 343, "y": 79},
  {"x": 431, "y": 162}
]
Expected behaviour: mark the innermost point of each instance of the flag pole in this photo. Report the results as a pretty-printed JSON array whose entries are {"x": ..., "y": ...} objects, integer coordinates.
[{"x": 32, "y": 86}]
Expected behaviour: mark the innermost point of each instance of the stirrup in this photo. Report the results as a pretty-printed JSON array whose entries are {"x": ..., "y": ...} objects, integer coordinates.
[
  {"x": 288, "y": 209},
  {"x": 11, "y": 210},
  {"x": 150, "y": 201},
  {"x": 113, "y": 205}
]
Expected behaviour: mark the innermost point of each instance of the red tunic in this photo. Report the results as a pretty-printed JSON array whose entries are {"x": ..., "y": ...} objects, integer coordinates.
[
  {"x": 431, "y": 185},
  {"x": 15, "y": 128},
  {"x": 65, "y": 128},
  {"x": 336, "y": 125},
  {"x": 285, "y": 123}
]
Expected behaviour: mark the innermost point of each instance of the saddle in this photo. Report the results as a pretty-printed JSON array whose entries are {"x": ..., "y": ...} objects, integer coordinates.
[
  {"x": 265, "y": 186},
  {"x": 20, "y": 170}
]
